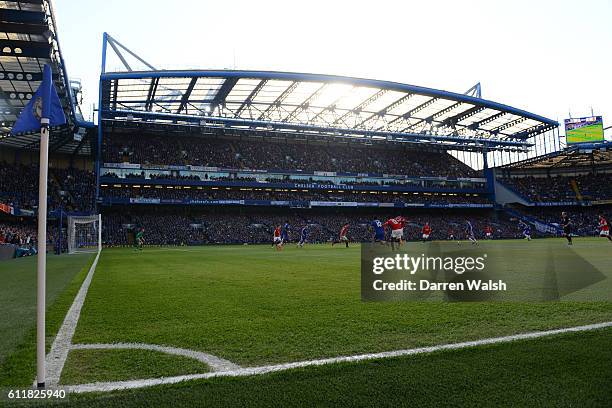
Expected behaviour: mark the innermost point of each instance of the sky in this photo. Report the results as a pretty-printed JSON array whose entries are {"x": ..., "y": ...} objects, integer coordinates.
[{"x": 549, "y": 57}]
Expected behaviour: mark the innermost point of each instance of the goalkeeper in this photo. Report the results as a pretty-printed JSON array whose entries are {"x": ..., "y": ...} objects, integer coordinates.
[{"x": 139, "y": 239}]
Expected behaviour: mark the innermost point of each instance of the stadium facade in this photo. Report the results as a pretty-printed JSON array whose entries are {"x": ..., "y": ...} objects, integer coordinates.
[{"x": 260, "y": 146}]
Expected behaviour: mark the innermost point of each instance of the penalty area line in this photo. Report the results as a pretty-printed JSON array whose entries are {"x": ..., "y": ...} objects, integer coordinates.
[{"x": 250, "y": 371}]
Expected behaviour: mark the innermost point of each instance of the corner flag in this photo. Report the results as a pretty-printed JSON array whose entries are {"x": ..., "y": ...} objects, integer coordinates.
[
  {"x": 44, "y": 104},
  {"x": 43, "y": 110}
]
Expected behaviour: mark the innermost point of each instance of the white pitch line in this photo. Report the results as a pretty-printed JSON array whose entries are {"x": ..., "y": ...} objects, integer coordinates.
[
  {"x": 214, "y": 362},
  {"x": 123, "y": 385},
  {"x": 61, "y": 345}
]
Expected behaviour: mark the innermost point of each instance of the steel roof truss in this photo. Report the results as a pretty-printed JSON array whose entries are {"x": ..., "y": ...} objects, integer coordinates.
[
  {"x": 304, "y": 105},
  {"x": 356, "y": 111},
  {"x": 187, "y": 94},
  {"x": 279, "y": 100},
  {"x": 248, "y": 101}
]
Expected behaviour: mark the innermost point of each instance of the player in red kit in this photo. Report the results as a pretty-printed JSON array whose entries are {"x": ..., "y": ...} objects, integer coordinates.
[
  {"x": 604, "y": 228},
  {"x": 278, "y": 241},
  {"x": 488, "y": 232},
  {"x": 397, "y": 229},
  {"x": 426, "y": 231},
  {"x": 343, "y": 236}
]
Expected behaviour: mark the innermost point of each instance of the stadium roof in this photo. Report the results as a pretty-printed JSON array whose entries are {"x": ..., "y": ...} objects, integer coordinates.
[
  {"x": 313, "y": 103},
  {"x": 28, "y": 41}
]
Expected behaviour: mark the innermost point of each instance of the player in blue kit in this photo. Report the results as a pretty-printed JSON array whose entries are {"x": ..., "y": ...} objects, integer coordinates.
[
  {"x": 303, "y": 236},
  {"x": 526, "y": 230},
  {"x": 469, "y": 232},
  {"x": 379, "y": 231},
  {"x": 285, "y": 232}
]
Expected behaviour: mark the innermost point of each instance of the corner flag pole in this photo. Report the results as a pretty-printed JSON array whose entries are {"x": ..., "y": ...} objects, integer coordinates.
[
  {"x": 42, "y": 252},
  {"x": 42, "y": 228},
  {"x": 43, "y": 111}
]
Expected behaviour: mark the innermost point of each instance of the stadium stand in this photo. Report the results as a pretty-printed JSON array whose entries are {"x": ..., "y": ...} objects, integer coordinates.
[
  {"x": 563, "y": 187},
  {"x": 17, "y": 233},
  {"x": 111, "y": 175},
  {"x": 76, "y": 188},
  {"x": 182, "y": 193},
  {"x": 73, "y": 190},
  {"x": 261, "y": 155},
  {"x": 19, "y": 185},
  {"x": 68, "y": 188}
]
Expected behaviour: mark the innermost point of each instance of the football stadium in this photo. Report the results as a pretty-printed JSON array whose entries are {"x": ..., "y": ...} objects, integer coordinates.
[{"x": 234, "y": 237}]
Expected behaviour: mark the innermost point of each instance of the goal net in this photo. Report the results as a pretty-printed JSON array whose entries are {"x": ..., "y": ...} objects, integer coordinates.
[{"x": 84, "y": 233}]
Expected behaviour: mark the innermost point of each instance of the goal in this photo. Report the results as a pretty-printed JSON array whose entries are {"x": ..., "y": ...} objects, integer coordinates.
[{"x": 84, "y": 233}]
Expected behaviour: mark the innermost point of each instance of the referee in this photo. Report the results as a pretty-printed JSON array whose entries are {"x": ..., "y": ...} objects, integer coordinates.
[{"x": 566, "y": 224}]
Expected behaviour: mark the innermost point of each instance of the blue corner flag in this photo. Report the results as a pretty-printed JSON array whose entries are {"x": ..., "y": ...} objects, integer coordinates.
[{"x": 44, "y": 104}]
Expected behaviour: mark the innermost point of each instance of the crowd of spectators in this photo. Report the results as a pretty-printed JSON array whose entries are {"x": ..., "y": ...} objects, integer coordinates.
[
  {"x": 262, "y": 155},
  {"x": 71, "y": 188},
  {"x": 20, "y": 234},
  {"x": 77, "y": 188},
  {"x": 260, "y": 194},
  {"x": 165, "y": 227},
  {"x": 561, "y": 188},
  {"x": 423, "y": 183},
  {"x": 19, "y": 185}
]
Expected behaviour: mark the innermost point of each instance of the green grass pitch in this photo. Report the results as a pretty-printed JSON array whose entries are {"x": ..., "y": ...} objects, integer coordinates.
[
  {"x": 571, "y": 370},
  {"x": 588, "y": 133},
  {"x": 255, "y": 306},
  {"x": 18, "y": 310}
]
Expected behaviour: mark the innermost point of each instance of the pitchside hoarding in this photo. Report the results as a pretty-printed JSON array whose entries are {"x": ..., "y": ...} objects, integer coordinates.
[{"x": 584, "y": 130}]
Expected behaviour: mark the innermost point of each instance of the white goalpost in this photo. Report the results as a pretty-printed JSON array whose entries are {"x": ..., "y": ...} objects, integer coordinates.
[{"x": 84, "y": 233}]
